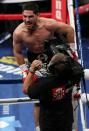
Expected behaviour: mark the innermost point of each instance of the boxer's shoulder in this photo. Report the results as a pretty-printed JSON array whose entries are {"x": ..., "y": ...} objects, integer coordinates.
[
  {"x": 19, "y": 30},
  {"x": 48, "y": 23}
]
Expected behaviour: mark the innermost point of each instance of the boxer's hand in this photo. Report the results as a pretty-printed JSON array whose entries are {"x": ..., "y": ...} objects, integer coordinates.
[{"x": 24, "y": 70}]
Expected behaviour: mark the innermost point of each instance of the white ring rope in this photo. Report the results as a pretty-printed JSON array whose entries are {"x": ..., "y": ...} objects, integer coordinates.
[
  {"x": 16, "y": 1},
  {"x": 83, "y": 98},
  {"x": 29, "y": 100},
  {"x": 18, "y": 100}
]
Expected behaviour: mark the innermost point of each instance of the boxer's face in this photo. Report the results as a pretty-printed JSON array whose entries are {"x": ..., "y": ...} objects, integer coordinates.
[{"x": 29, "y": 18}]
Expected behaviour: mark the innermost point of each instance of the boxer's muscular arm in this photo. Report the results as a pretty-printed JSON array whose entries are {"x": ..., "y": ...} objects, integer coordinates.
[
  {"x": 67, "y": 30},
  {"x": 60, "y": 27},
  {"x": 17, "y": 49}
]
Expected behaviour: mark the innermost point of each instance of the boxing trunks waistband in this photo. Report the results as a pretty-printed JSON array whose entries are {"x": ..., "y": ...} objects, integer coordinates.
[{"x": 44, "y": 56}]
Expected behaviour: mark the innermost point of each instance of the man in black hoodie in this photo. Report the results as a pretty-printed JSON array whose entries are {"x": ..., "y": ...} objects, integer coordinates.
[{"x": 53, "y": 92}]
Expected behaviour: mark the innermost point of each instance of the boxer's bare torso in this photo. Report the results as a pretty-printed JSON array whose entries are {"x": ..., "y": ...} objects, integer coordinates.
[
  {"x": 33, "y": 39},
  {"x": 33, "y": 32}
]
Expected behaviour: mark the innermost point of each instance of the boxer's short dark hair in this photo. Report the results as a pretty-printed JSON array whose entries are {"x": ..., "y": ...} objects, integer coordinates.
[{"x": 31, "y": 6}]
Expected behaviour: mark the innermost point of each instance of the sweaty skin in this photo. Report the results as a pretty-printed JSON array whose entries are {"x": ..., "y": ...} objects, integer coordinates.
[{"x": 33, "y": 32}]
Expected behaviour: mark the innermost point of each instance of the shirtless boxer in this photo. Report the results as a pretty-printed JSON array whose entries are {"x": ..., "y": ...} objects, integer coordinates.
[{"x": 32, "y": 33}]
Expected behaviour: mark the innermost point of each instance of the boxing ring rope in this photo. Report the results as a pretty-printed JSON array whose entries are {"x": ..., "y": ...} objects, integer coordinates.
[
  {"x": 82, "y": 10},
  {"x": 78, "y": 29},
  {"x": 28, "y": 100},
  {"x": 19, "y": 16},
  {"x": 79, "y": 10},
  {"x": 17, "y": 1},
  {"x": 18, "y": 100}
]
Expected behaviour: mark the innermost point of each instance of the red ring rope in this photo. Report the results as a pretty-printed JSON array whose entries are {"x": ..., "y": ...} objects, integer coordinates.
[
  {"x": 82, "y": 10},
  {"x": 19, "y": 16}
]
